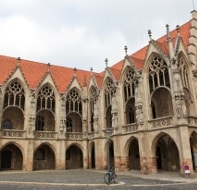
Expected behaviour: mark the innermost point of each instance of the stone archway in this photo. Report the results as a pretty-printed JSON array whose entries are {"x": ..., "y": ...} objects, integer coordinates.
[
  {"x": 92, "y": 160},
  {"x": 44, "y": 158},
  {"x": 166, "y": 153},
  {"x": 134, "y": 155},
  {"x": 74, "y": 157},
  {"x": 11, "y": 158},
  {"x": 193, "y": 145}
]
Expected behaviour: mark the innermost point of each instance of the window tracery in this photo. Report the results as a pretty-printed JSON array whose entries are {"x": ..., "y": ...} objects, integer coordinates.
[
  {"x": 110, "y": 90},
  {"x": 158, "y": 73},
  {"x": 46, "y": 99},
  {"x": 73, "y": 102},
  {"x": 93, "y": 98},
  {"x": 130, "y": 82},
  {"x": 183, "y": 72},
  {"x": 14, "y": 95}
]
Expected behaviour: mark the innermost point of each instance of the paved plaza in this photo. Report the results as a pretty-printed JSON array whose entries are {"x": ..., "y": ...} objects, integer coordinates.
[{"x": 92, "y": 180}]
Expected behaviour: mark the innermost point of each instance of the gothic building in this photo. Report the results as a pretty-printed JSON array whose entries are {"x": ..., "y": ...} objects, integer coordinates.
[{"x": 56, "y": 117}]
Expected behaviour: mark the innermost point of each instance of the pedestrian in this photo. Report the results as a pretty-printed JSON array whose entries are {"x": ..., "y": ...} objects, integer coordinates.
[{"x": 186, "y": 170}]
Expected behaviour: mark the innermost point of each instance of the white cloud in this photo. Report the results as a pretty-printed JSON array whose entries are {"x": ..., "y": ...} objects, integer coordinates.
[{"x": 81, "y": 34}]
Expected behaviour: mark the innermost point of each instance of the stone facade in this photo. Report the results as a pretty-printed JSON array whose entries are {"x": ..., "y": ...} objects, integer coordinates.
[{"x": 150, "y": 105}]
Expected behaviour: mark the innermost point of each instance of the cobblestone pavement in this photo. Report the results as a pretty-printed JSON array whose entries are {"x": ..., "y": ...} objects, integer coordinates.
[{"x": 92, "y": 180}]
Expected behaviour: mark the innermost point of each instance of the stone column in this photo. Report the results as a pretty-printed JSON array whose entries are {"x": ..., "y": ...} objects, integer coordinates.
[
  {"x": 28, "y": 155},
  {"x": 185, "y": 149},
  {"x": 60, "y": 156}
]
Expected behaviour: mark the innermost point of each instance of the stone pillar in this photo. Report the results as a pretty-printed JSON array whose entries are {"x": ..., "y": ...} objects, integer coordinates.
[
  {"x": 85, "y": 155},
  {"x": 60, "y": 156},
  {"x": 28, "y": 155},
  {"x": 185, "y": 149},
  {"x": 100, "y": 154},
  {"x": 146, "y": 165}
]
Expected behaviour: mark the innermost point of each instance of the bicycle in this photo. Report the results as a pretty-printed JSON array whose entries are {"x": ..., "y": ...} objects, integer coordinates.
[{"x": 110, "y": 177}]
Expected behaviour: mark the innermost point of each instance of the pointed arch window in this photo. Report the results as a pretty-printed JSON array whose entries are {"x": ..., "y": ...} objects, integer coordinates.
[
  {"x": 109, "y": 92},
  {"x": 183, "y": 72},
  {"x": 129, "y": 85},
  {"x": 14, "y": 95},
  {"x": 158, "y": 74},
  {"x": 93, "y": 97},
  {"x": 73, "y": 102},
  {"x": 46, "y": 99}
]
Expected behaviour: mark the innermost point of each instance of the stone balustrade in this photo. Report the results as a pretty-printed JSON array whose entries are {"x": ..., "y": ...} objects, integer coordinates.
[
  {"x": 45, "y": 134},
  {"x": 160, "y": 123},
  {"x": 10, "y": 133},
  {"x": 130, "y": 128},
  {"x": 75, "y": 136},
  {"x": 192, "y": 121}
]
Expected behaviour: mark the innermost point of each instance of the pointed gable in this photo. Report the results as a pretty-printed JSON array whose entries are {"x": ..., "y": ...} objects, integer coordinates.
[
  {"x": 63, "y": 77},
  {"x": 33, "y": 72}
]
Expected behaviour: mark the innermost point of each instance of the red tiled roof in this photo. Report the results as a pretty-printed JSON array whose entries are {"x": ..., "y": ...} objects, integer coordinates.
[
  {"x": 7, "y": 66},
  {"x": 35, "y": 72},
  {"x": 139, "y": 56}
]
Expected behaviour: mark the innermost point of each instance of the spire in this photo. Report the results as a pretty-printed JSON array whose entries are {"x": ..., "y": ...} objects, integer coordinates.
[
  {"x": 91, "y": 70},
  {"x": 150, "y": 34},
  {"x": 192, "y": 47},
  {"x": 178, "y": 30},
  {"x": 19, "y": 61},
  {"x": 169, "y": 41},
  {"x": 106, "y": 62},
  {"x": 125, "y": 49},
  {"x": 75, "y": 70},
  {"x": 49, "y": 67},
  {"x": 168, "y": 32}
]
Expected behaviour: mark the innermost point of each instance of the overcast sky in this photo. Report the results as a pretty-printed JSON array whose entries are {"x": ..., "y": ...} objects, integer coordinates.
[{"x": 82, "y": 33}]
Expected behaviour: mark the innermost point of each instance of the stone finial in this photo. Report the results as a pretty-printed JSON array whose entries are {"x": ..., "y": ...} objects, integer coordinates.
[
  {"x": 75, "y": 70},
  {"x": 125, "y": 49},
  {"x": 49, "y": 66},
  {"x": 18, "y": 59},
  {"x": 150, "y": 34},
  {"x": 168, "y": 32},
  {"x": 91, "y": 70},
  {"x": 106, "y": 62},
  {"x": 178, "y": 30}
]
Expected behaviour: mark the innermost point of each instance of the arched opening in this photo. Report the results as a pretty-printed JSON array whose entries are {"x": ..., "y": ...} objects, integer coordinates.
[
  {"x": 134, "y": 155},
  {"x": 11, "y": 158},
  {"x": 166, "y": 153},
  {"x": 130, "y": 111},
  {"x": 108, "y": 117},
  {"x": 45, "y": 121},
  {"x": 161, "y": 103},
  {"x": 74, "y": 157},
  {"x": 13, "y": 118},
  {"x": 44, "y": 158},
  {"x": 193, "y": 145},
  {"x": 92, "y": 163},
  {"x": 73, "y": 122},
  {"x": 111, "y": 153}
]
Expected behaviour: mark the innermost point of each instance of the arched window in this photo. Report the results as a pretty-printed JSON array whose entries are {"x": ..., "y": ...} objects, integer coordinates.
[
  {"x": 129, "y": 84},
  {"x": 109, "y": 92},
  {"x": 14, "y": 95},
  {"x": 158, "y": 74},
  {"x": 7, "y": 124},
  {"x": 183, "y": 71},
  {"x": 73, "y": 102},
  {"x": 46, "y": 99},
  {"x": 93, "y": 97}
]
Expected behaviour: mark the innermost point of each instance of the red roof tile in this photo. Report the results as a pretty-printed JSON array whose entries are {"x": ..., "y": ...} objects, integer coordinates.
[
  {"x": 7, "y": 66},
  {"x": 35, "y": 72}
]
